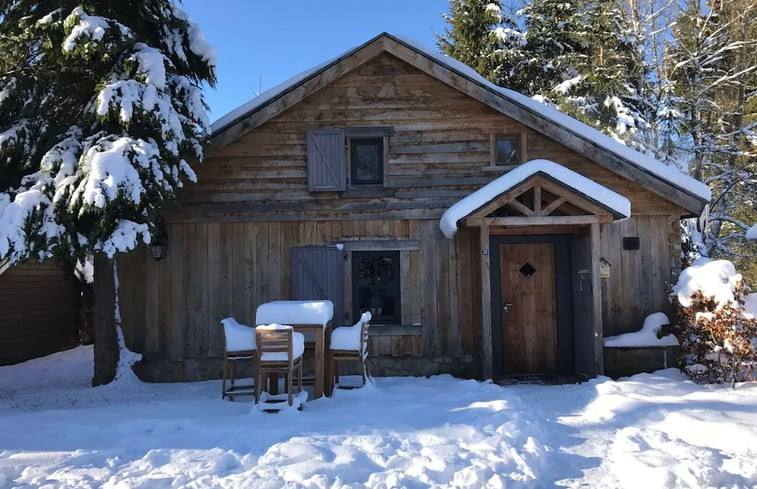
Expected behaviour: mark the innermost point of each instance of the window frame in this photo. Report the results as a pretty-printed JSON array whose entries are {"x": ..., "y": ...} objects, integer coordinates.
[
  {"x": 520, "y": 140},
  {"x": 396, "y": 288},
  {"x": 380, "y": 144}
]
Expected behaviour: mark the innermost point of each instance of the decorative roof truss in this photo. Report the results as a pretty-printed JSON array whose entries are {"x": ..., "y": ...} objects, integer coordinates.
[{"x": 539, "y": 200}]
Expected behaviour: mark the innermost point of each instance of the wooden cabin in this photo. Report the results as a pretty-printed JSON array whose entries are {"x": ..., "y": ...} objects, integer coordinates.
[
  {"x": 40, "y": 311},
  {"x": 332, "y": 186}
]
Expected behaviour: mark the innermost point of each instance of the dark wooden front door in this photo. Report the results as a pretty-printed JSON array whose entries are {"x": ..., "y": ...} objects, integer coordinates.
[{"x": 529, "y": 308}]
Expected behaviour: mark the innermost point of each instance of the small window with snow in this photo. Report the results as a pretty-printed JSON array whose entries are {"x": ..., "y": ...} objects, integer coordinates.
[{"x": 506, "y": 151}]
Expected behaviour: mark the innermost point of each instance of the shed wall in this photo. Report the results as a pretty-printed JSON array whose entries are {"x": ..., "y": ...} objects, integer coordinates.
[{"x": 39, "y": 312}]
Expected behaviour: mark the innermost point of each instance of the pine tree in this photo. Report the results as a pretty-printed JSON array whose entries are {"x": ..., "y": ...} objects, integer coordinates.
[
  {"x": 579, "y": 56},
  {"x": 101, "y": 114},
  {"x": 714, "y": 75}
]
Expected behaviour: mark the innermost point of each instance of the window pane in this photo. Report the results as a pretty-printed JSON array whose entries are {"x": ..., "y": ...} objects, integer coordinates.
[
  {"x": 376, "y": 285},
  {"x": 367, "y": 160},
  {"x": 507, "y": 151}
]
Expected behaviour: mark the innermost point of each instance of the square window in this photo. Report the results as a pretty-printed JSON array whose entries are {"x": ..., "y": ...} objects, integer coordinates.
[
  {"x": 376, "y": 285},
  {"x": 506, "y": 150},
  {"x": 367, "y": 161}
]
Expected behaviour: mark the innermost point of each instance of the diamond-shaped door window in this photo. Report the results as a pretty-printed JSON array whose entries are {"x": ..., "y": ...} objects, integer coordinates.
[{"x": 527, "y": 270}]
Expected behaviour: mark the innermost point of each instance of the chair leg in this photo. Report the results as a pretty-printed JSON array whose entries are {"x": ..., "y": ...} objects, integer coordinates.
[
  {"x": 362, "y": 370},
  {"x": 258, "y": 386},
  {"x": 223, "y": 377},
  {"x": 290, "y": 374},
  {"x": 336, "y": 371}
]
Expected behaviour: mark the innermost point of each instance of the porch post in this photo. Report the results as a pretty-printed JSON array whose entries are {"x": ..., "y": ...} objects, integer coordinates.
[
  {"x": 596, "y": 287},
  {"x": 486, "y": 303}
]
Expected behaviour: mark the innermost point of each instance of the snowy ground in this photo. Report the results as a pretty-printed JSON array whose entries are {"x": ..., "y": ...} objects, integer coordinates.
[{"x": 648, "y": 431}]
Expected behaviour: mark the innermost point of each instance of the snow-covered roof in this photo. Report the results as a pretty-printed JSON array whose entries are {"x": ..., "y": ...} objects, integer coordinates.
[
  {"x": 603, "y": 196},
  {"x": 670, "y": 175}
]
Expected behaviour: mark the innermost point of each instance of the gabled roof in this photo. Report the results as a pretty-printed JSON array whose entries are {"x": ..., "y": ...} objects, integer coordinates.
[
  {"x": 612, "y": 202},
  {"x": 652, "y": 174}
]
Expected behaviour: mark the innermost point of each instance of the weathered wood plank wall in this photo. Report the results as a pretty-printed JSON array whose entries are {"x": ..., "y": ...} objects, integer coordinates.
[
  {"x": 215, "y": 270},
  {"x": 39, "y": 311}
]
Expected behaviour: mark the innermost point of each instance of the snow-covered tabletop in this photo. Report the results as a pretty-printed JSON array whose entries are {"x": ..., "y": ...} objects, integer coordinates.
[{"x": 295, "y": 312}]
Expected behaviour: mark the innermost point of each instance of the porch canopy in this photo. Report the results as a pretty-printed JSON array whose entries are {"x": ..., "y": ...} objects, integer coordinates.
[{"x": 539, "y": 192}]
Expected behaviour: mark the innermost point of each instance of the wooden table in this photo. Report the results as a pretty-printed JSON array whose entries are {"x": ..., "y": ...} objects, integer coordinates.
[{"x": 321, "y": 332}]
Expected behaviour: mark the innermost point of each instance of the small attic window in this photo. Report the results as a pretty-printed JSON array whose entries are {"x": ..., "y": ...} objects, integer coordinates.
[{"x": 506, "y": 150}]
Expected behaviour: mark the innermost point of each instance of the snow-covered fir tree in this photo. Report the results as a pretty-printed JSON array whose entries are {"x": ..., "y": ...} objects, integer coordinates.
[
  {"x": 580, "y": 56},
  {"x": 101, "y": 114},
  {"x": 101, "y": 117}
]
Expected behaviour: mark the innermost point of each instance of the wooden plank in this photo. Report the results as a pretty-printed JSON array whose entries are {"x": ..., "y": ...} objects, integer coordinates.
[
  {"x": 443, "y": 306},
  {"x": 178, "y": 313},
  {"x": 536, "y": 220},
  {"x": 597, "y": 300},
  {"x": 238, "y": 288},
  {"x": 405, "y": 287},
  {"x": 151, "y": 290},
  {"x": 467, "y": 293},
  {"x": 250, "y": 271},
  {"x": 486, "y": 306},
  {"x": 275, "y": 256},
  {"x": 429, "y": 294},
  {"x": 453, "y": 301},
  {"x": 214, "y": 342}
]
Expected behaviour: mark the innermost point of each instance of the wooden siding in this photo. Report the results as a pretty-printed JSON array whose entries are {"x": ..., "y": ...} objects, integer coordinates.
[
  {"x": 438, "y": 153},
  {"x": 171, "y": 309},
  {"x": 39, "y": 312},
  {"x": 639, "y": 279}
]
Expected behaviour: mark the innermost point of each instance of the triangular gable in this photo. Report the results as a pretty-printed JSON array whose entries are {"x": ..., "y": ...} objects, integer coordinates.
[
  {"x": 554, "y": 195},
  {"x": 664, "y": 180}
]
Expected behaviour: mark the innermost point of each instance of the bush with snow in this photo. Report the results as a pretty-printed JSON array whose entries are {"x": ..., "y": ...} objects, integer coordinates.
[{"x": 717, "y": 322}]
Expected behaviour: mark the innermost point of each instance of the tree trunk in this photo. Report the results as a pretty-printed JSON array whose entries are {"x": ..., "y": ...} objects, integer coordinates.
[{"x": 106, "y": 340}]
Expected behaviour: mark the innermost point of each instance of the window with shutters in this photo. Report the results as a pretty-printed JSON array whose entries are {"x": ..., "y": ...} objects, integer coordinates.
[{"x": 339, "y": 158}]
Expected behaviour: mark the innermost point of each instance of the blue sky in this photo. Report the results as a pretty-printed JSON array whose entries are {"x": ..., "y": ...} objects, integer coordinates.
[{"x": 280, "y": 39}]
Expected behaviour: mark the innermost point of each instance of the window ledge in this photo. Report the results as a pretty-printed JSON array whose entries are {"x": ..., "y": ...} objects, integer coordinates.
[
  {"x": 368, "y": 191},
  {"x": 498, "y": 169},
  {"x": 395, "y": 330}
]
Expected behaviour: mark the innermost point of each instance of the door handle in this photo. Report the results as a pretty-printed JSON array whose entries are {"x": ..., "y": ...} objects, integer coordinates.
[{"x": 507, "y": 306}]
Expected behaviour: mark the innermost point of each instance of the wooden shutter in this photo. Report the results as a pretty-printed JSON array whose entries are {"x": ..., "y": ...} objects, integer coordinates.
[
  {"x": 326, "y": 165},
  {"x": 318, "y": 273}
]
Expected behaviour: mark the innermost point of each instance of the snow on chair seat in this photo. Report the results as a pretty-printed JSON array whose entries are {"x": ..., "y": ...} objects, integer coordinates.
[
  {"x": 350, "y": 343},
  {"x": 279, "y": 350},
  {"x": 238, "y": 345}
]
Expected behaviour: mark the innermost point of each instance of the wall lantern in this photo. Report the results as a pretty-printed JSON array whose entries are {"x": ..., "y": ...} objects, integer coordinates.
[{"x": 159, "y": 242}]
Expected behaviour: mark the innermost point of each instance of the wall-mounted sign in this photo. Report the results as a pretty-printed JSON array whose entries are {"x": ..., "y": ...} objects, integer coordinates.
[{"x": 604, "y": 268}]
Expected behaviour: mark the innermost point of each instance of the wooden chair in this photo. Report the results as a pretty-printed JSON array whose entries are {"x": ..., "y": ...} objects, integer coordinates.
[
  {"x": 351, "y": 344},
  {"x": 279, "y": 350},
  {"x": 238, "y": 345}
]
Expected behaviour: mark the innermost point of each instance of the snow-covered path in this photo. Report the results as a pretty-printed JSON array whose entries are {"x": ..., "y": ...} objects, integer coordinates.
[{"x": 648, "y": 431}]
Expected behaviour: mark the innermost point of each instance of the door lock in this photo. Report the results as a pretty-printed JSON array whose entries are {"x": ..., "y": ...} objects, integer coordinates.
[{"x": 507, "y": 306}]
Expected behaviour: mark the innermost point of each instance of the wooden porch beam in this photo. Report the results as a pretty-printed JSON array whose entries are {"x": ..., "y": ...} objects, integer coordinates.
[
  {"x": 596, "y": 287},
  {"x": 486, "y": 304},
  {"x": 537, "y": 220}
]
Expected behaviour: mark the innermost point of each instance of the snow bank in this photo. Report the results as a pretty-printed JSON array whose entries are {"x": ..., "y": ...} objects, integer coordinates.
[
  {"x": 650, "y": 430},
  {"x": 295, "y": 312},
  {"x": 646, "y": 336},
  {"x": 594, "y": 191},
  {"x": 715, "y": 279}
]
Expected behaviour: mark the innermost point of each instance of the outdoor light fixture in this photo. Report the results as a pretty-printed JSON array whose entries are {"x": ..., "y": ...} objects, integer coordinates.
[{"x": 159, "y": 242}]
